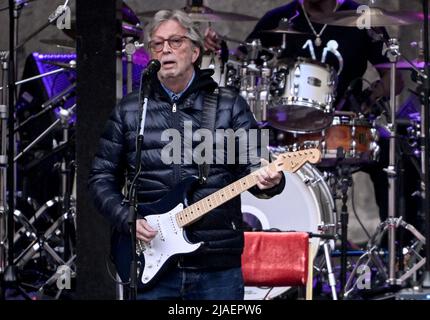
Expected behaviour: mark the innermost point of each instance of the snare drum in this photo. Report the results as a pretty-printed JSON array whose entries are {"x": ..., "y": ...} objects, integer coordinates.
[
  {"x": 305, "y": 205},
  {"x": 303, "y": 94},
  {"x": 349, "y": 140}
]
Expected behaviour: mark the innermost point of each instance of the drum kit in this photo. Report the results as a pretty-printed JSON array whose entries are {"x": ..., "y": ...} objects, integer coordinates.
[{"x": 295, "y": 98}]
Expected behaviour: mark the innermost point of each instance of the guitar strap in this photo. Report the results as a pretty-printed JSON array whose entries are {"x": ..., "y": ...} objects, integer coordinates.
[{"x": 210, "y": 103}]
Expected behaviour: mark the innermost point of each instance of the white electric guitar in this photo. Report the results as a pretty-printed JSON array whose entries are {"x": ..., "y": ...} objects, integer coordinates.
[{"x": 169, "y": 216}]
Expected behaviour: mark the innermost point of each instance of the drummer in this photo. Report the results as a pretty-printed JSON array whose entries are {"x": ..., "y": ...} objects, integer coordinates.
[{"x": 356, "y": 46}]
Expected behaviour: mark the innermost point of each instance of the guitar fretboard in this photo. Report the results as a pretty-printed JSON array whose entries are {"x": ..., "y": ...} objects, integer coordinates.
[
  {"x": 288, "y": 161},
  {"x": 203, "y": 206}
]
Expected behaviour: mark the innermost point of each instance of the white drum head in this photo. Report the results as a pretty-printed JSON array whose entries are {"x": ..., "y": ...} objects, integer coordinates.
[{"x": 300, "y": 207}]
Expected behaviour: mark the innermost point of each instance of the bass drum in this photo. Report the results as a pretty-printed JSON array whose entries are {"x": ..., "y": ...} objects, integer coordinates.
[{"x": 304, "y": 205}]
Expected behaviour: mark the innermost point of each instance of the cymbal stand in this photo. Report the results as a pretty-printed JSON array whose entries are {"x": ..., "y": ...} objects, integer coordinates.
[
  {"x": 425, "y": 118},
  {"x": 392, "y": 223},
  {"x": 67, "y": 169},
  {"x": 3, "y": 161},
  {"x": 65, "y": 225}
]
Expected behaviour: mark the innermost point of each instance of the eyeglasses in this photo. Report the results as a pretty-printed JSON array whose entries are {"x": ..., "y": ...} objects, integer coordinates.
[{"x": 174, "y": 42}]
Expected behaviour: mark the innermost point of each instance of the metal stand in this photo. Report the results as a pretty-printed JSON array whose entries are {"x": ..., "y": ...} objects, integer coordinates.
[
  {"x": 344, "y": 174},
  {"x": 425, "y": 118},
  {"x": 391, "y": 225},
  {"x": 9, "y": 279},
  {"x": 65, "y": 224},
  {"x": 4, "y": 56},
  {"x": 331, "y": 277},
  {"x": 130, "y": 49}
]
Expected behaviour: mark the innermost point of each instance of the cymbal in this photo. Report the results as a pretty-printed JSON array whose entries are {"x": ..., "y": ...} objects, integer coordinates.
[
  {"x": 402, "y": 65},
  {"x": 205, "y": 14},
  {"x": 375, "y": 17},
  {"x": 61, "y": 43},
  {"x": 128, "y": 30},
  {"x": 286, "y": 30}
]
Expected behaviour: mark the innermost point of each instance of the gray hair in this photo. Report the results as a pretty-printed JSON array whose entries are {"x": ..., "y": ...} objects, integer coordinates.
[{"x": 193, "y": 32}]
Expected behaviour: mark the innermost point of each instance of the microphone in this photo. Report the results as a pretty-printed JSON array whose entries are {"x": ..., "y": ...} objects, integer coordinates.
[{"x": 152, "y": 67}]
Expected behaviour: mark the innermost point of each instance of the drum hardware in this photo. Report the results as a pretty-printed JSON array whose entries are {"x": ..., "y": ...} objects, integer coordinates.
[
  {"x": 53, "y": 279},
  {"x": 394, "y": 277},
  {"x": 303, "y": 91},
  {"x": 42, "y": 243},
  {"x": 71, "y": 65},
  {"x": 403, "y": 65},
  {"x": 61, "y": 69},
  {"x": 60, "y": 43},
  {"x": 4, "y": 59},
  {"x": 47, "y": 106},
  {"x": 130, "y": 49},
  {"x": 52, "y": 19},
  {"x": 373, "y": 16},
  {"x": 357, "y": 137},
  {"x": 30, "y": 227},
  {"x": 343, "y": 175},
  {"x": 286, "y": 27},
  {"x": 310, "y": 209},
  {"x": 58, "y": 241}
]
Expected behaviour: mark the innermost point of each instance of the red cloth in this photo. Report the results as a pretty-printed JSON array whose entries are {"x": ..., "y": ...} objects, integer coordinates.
[{"x": 275, "y": 258}]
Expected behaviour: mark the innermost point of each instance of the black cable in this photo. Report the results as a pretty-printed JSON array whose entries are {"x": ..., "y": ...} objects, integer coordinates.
[{"x": 110, "y": 274}]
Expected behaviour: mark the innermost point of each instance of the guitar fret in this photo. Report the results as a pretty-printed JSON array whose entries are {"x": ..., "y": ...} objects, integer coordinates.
[
  {"x": 200, "y": 208},
  {"x": 223, "y": 196},
  {"x": 206, "y": 205},
  {"x": 188, "y": 214},
  {"x": 214, "y": 201},
  {"x": 209, "y": 203},
  {"x": 227, "y": 192},
  {"x": 218, "y": 198}
]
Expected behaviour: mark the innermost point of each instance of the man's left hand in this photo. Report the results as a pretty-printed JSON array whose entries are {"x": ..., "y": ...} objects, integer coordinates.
[{"x": 267, "y": 178}]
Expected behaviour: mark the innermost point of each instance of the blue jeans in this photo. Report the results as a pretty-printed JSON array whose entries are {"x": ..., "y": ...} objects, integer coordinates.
[{"x": 187, "y": 284}]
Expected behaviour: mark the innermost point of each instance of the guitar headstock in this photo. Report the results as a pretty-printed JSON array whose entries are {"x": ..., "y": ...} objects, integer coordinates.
[{"x": 293, "y": 161}]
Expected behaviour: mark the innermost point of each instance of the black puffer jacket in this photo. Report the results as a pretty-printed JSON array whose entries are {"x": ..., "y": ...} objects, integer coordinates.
[{"x": 220, "y": 230}]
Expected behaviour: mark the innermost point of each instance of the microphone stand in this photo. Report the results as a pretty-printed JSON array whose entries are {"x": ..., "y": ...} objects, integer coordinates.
[
  {"x": 9, "y": 278},
  {"x": 132, "y": 195}
]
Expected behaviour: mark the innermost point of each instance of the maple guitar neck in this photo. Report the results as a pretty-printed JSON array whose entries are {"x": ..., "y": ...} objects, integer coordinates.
[{"x": 289, "y": 161}]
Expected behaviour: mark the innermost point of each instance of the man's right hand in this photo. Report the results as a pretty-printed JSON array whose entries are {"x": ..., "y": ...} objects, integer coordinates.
[
  {"x": 144, "y": 231},
  {"x": 212, "y": 40}
]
